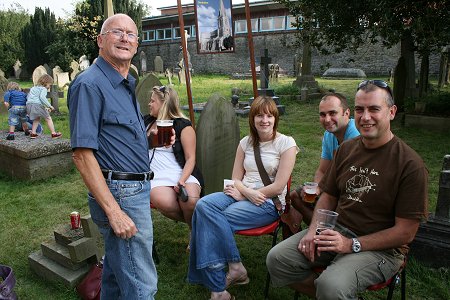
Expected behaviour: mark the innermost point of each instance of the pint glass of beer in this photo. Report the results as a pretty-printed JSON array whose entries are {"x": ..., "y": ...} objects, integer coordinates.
[
  {"x": 310, "y": 192},
  {"x": 164, "y": 132}
]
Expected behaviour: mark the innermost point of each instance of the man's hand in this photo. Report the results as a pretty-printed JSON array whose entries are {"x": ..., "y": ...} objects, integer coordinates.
[
  {"x": 122, "y": 225},
  {"x": 307, "y": 245},
  {"x": 330, "y": 240}
]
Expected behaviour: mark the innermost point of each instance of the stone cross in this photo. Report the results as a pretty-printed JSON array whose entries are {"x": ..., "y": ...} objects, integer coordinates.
[
  {"x": 54, "y": 95},
  {"x": 264, "y": 70}
]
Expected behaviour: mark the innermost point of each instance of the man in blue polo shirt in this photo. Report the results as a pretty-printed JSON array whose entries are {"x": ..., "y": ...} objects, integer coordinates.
[
  {"x": 334, "y": 116},
  {"x": 110, "y": 151}
]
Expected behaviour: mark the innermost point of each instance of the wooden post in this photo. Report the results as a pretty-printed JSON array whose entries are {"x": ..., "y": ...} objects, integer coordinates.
[
  {"x": 250, "y": 49},
  {"x": 186, "y": 63},
  {"x": 108, "y": 9}
]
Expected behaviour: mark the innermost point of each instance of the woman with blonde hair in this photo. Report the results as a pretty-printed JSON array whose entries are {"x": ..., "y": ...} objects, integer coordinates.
[
  {"x": 245, "y": 204},
  {"x": 174, "y": 167}
]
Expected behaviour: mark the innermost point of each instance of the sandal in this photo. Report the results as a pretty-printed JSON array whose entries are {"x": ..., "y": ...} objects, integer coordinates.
[{"x": 243, "y": 279}]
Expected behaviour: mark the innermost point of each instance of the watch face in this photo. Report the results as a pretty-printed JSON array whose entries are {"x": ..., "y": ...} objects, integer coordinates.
[{"x": 356, "y": 247}]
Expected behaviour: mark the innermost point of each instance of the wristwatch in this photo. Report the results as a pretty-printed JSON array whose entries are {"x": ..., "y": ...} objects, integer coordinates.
[{"x": 356, "y": 246}]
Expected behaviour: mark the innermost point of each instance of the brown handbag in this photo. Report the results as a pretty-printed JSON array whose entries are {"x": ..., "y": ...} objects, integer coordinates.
[{"x": 89, "y": 288}]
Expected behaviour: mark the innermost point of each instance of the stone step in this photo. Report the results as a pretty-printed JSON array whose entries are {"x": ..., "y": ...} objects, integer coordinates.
[
  {"x": 64, "y": 234},
  {"x": 53, "y": 271},
  {"x": 60, "y": 254},
  {"x": 83, "y": 249}
]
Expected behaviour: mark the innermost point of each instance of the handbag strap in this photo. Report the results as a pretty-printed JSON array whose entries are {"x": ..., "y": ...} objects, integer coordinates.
[{"x": 265, "y": 177}]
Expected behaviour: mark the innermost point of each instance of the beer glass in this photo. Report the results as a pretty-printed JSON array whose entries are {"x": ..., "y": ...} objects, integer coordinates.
[
  {"x": 325, "y": 219},
  {"x": 310, "y": 192},
  {"x": 164, "y": 132}
]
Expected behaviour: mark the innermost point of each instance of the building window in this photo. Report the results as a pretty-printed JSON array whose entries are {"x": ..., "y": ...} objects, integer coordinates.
[
  {"x": 271, "y": 24},
  {"x": 176, "y": 32},
  {"x": 148, "y": 35},
  {"x": 164, "y": 34},
  {"x": 193, "y": 31},
  {"x": 240, "y": 26}
]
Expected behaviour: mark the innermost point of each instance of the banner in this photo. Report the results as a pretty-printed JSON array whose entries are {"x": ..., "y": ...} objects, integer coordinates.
[{"x": 214, "y": 26}]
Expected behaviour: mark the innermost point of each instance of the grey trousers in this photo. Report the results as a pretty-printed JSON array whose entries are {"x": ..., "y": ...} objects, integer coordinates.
[{"x": 345, "y": 276}]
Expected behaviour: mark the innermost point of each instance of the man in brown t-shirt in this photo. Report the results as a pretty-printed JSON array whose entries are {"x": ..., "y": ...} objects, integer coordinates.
[{"x": 378, "y": 185}]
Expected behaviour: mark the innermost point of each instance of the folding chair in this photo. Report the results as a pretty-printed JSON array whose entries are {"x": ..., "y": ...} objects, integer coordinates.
[
  {"x": 400, "y": 275},
  {"x": 270, "y": 229}
]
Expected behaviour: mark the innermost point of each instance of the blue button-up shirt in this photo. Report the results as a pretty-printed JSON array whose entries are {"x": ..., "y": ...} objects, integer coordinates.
[{"x": 105, "y": 117}]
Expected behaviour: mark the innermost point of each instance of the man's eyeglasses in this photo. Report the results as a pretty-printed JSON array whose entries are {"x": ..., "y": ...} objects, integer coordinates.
[
  {"x": 379, "y": 83},
  {"x": 119, "y": 34}
]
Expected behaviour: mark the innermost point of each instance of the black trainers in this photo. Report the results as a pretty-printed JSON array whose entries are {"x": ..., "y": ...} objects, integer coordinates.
[
  {"x": 27, "y": 132},
  {"x": 10, "y": 137}
]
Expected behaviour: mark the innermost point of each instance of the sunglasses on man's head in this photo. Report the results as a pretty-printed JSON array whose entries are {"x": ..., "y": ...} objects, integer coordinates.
[{"x": 379, "y": 83}]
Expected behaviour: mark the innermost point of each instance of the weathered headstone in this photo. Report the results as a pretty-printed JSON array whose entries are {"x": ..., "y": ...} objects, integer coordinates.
[
  {"x": 17, "y": 69},
  {"x": 159, "y": 64},
  {"x": 431, "y": 245},
  {"x": 217, "y": 139},
  {"x": 37, "y": 73},
  {"x": 2, "y": 74},
  {"x": 305, "y": 78},
  {"x": 63, "y": 79},
  {"x": 55, "y": 94},
  {"x": 444, "y": 66},
  {"x": 48, "y": 69},
  {"x": 55, "y": 71},
  {"x": 35, "y": 160},
  {"x": 83, "y": 62},
  {"x": 144, "y": 89},
  {"x": 169, "y": 75},
  {"x": 3, "y": 86},
  {"x": 344, "y": 73},
  {"x": 134, "y": 72},
  {"x": 143, "y": 62},
  {"x": 75, "y": 69}
]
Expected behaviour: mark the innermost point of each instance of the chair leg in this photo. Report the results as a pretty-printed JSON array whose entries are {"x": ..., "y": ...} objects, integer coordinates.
[
  {"x": 274, "y": 242},
  {"x": 403, "y": 283},
  {"x": 392, "y": 287}
]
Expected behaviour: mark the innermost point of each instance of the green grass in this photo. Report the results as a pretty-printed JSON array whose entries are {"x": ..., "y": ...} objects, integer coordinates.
[{"x": 30, "y": 211}]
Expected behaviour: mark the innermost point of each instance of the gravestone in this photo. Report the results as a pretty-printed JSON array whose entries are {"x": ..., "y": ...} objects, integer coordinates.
[
  {"x": 3, "y": 87},
  {"x": 134, "y": 72},
  {"x": 37, "y": 73},
  {"x": 169, "y": 75},
  {"x": 305, "y": 78},
  {"x": 431, "y": 245},
  {"x": 344, "y": 73},
  {"x": 83, "y": 61},
  {"x": 75, "y": 69},
  {"x": 2, "y": 74},
  {"x": 17, "y": 69},
  {"x": 54, "y": 96},
  {"x": 143, "y": 61},
  {"x": 144, "y": 89},
  {"x": 218, "y": 135},
  {"x": 66, "y": 257},
  {"x": 36, "y": 159},
  {"x": 159, "y": 64},
  {"x": 55, "y": 71},
  {"x": 48, "y": 69},
  {"x": 63, "y": 79}
]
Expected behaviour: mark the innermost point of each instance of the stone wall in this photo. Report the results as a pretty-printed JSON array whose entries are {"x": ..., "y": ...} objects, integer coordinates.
[{"x": 373, "y": 59}]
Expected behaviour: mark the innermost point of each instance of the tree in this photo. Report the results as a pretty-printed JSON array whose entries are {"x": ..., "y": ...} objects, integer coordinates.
[
  {"x": 418, "y": 25},
  {"x": 11, "y": 23},
  {"x": 39, "y": 33}
]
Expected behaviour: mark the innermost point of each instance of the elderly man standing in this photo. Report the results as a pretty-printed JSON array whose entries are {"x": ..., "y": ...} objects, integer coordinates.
[
  {"x": 378, "y": 185},
  {"x": 110, "y": 150},
  {"x": 334, "y": 115}
]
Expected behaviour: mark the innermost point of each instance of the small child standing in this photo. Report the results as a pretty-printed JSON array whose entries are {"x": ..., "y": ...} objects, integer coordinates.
[
  {"x": 38, "y": 106},
  {"x": 15, "y": 101}
]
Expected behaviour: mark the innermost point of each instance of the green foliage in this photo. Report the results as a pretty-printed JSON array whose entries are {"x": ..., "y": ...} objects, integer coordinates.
[
  {"x": 11, "y": 23},
  {"x": 39, "y": 33}
]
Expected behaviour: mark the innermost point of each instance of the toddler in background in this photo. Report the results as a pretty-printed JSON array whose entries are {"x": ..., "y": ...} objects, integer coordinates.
[
  {"x": 38, "y": 106},
  {"x": 15, "y": 101}
]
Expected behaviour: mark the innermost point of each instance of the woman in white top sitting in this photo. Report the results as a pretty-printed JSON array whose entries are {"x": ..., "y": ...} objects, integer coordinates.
[
  {"x": 245, "y": 204},
  {"x": 173, "y": 166}
]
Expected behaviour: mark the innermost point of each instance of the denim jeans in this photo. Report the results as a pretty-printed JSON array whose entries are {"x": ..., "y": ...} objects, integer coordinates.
[
  {"x": 128, "y": 271},
  {"x": 216, "y": 218},
  {"x": 17, "y": 116}
]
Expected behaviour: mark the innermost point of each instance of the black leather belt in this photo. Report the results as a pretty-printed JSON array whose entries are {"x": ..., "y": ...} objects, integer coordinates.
[{"x": 113, "y": 175}]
